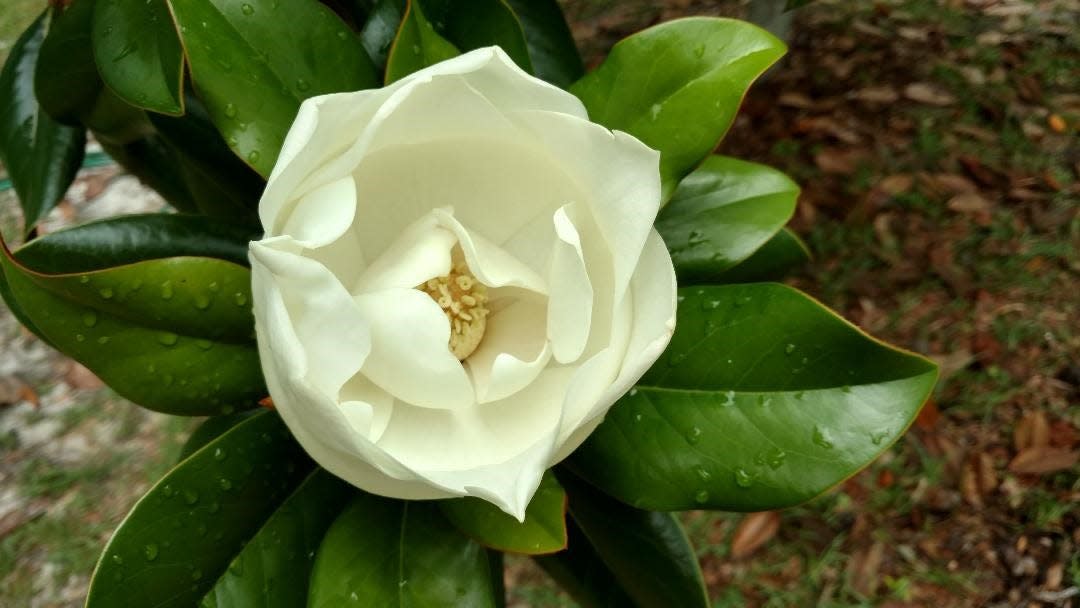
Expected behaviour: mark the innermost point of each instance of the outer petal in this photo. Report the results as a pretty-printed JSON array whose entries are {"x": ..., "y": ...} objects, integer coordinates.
[
  {"x": 569, "y": 316},
  {"x": 653, "y": 290},
  {"x": 619, "y": 175}
]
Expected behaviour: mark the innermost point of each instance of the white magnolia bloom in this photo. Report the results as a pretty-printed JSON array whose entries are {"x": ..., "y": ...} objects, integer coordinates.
[{"x": 459, "y": 276}]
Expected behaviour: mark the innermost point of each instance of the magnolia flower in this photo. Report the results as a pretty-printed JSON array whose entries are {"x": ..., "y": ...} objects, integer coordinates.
[{"x": 459, "y": 277}]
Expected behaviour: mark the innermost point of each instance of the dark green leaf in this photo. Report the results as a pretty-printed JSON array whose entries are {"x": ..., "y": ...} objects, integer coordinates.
[
  {"x": 183, "y": 533},
  {"x": 273, "y": 569},
  {"x": 397, "y": 554},
  {"x": 416, "y": 46},
  {"x": 498, "y": 580},
  {"x": 154, "y": 162},
  {"x": 138, "y": 53},
  {"x": 554, "y": 55},
  {"x": 581, "y": 573},
  {"x": 543, "y": 531},
  {"x": 211, "y": 429},
  {"x": 380, "y": 29},
  {"x": 41, "y": 155},
  {"x": 473, "y": 24},
  {"x": 173, "y": 334},
  {"x": 253, "y": 63},
  {"x": 648, "y": 553},
  {"x": 66, "y": 80},
  {"x": 678, "y": 85},
  {"x": 764, "y": 399},
  {"x": 721, "y": 213},
  {"x": 221, "y": 185},
  {"x": 772, "y": 262},
  {"x": 136, "y": 238}
]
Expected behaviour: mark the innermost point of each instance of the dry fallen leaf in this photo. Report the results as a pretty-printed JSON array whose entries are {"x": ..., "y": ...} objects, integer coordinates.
[
  {"x": 834, "y": 160},
  {"x": 896, "y": 184},
  {"x": 863, "y": 569},
  {"x": 969, "y": 203},
  {"x": 1032, "y": 431},
  {"x": 1056, "y": 123},
  {"x": 882, "y": 95},
  {"x": 929, "y": 94},
  {"x": 754, "y": 530},
  {"x": 1043, "y": 459}
]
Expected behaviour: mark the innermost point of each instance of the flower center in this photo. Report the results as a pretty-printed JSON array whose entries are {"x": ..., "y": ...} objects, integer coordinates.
[{"x": 464, "y": 300}]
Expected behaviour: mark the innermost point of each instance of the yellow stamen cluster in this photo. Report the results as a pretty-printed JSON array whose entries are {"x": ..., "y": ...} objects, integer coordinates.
[{"x": 464, "y": 300}]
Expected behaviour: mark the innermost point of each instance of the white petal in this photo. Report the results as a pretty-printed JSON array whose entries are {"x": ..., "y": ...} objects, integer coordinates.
[
  {"x": 620, "y": 177},
  {"x": 488, "y": 262},
  {"x": 569, "y": 316},
  {"x": 653, "y": 290},
  {"x": 323, "y": 215},
  {"x": 366, "y": 406},
  {"x": 514, "y": 350},
  {"x": 410, "y": 353},
  {"x": 330, "y": 328},
  {"x": 422, "y": 252}
]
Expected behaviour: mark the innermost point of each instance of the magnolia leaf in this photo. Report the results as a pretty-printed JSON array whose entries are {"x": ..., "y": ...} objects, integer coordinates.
[
  {"x": 417, "y": 45},
  {"x": 138, "y": 53},
  {"x": 274, "y": 567},
  {"x": 380, "y": 29},
  {"x": 551, "y": 46},
  {"x": 763, "y": 400},
  {"x": 41, "y": 155},
  {"x": 183, "y": 533},
  {"x": 581, "y": 573},
  {"x": 543, "y": 531},
  {"x": 771, "y": 262},
  {"x": 677, "y": 86},
  {"x": 254, "y": 62},
  {"x": 66, "y": 81},
  {"x": 166, "y": 329},
  {"x": 648, "y": 553},
  {"x": 721, "y": 213},
  {"x": 396, "y": 554}
]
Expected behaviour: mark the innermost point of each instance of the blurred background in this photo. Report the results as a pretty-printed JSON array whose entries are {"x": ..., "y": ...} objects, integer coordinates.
[{"x": 938, "y": 146}]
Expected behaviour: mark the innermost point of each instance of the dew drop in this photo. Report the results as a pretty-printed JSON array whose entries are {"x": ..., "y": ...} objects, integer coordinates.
[
  {"x": 354, "y": 597},
  {"x": 776, "y": 459},
  {"x": 106, "y": 293},
  {"x": 90, "y": 319},
  {"x": 225, "y": 484},
  {"x": 655, "y": 110},
  {"x": 800, "y": 395},
  {"x": 247, "y": 9},
  {"x": 151, "y": 552},
  {"x": 191, "y": 497},
  {"x": 637, "y": 417},
  {"x": 342, "y": 35},
  {"x": 729, "y": 399},
  {"x": 196, "y": 574},
  {"x": 743, "y": 479},
  {"x": 696, "y": 238},
  {"x": 694, "y": 436},
  {"x": 80, "y": 338},
  {"x": 845, "y": 389},
  {"x": 167, "y": 338},
  {"x": 166, "y": 290},
  {"x": 103, "y": 340},
  {"x": 699, "y": 50},
  {"x": 879, "y": 438},
  {"x": 117, "y": 559},
  {"x": 204, "y": 344},
  {"x": 220, "y": 454},
  {"x": 214, "y": 287},
  {"x": 821, "y": 438},
  {"x": 710, "y": 304},
  {"x": 240, "y": 299},
  {"x": 790, "y": 348},
  {"x": 302, "y": 85},
  {"x": 704, "y": 474},
  {"x": 167, "y": 491},
  {"x": 202, "y": 302},
  {"x": 230, "y": 110},
  {"x": 701, "y": 497},
  {"x": 84, "y": 279},
  {"x": 632, "y": 393},
  {"x": 764, "y": 401},
  {"x": 253, "y": 156},
  {"x": 237, "y": 567},
  {"x": 416, "y": 49}
]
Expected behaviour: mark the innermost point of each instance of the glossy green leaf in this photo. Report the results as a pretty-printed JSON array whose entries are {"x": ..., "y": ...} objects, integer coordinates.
[
  {"x": 677, "y": 86},
  {"x": 380, "y": 29},
  {"x": 211, "y": 429},
  {"x": 154, "y": 162},
  {"x": 417, "y": 45},
  {"x": 473, "y": 24},
  {"x": 543, "y": 531},
  {"x": 138, "y": 53},
  {"x": 220, "y": 184},
  {"x": 764, "y": 399},
  {"x": 648, "y": 553},
  {"x": 721, "y": 213},
  {"x": 66, "y": 80},
  {"x": 135, "y": 238},
  {"x": 42, "y": 156},
  {"x": 773, "y": 261},
  {"x": 496, "y": 561},
  {"x": 254, "y": 62},
  {"x": 551, "y": 46},
  {"x": 173, "y": 334},
  {"x": 581, "y": 573},
  {"x": 183, "y": 533},
  {"x": 398, "y": 554},
  {"x": 273, "y": 569}
]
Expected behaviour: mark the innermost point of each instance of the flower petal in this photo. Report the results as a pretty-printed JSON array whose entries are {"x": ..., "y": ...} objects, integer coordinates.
[
  {"x": 420, "y": 253},
  {"x": 514, "y": 349},
  {"x": 410, "y": 357},
  {"x": 619, "y": 175},
  {"x": 323, "y": 215},
  {"x": 569, "y": 316},
  {"x": 488, "y": 262}
]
